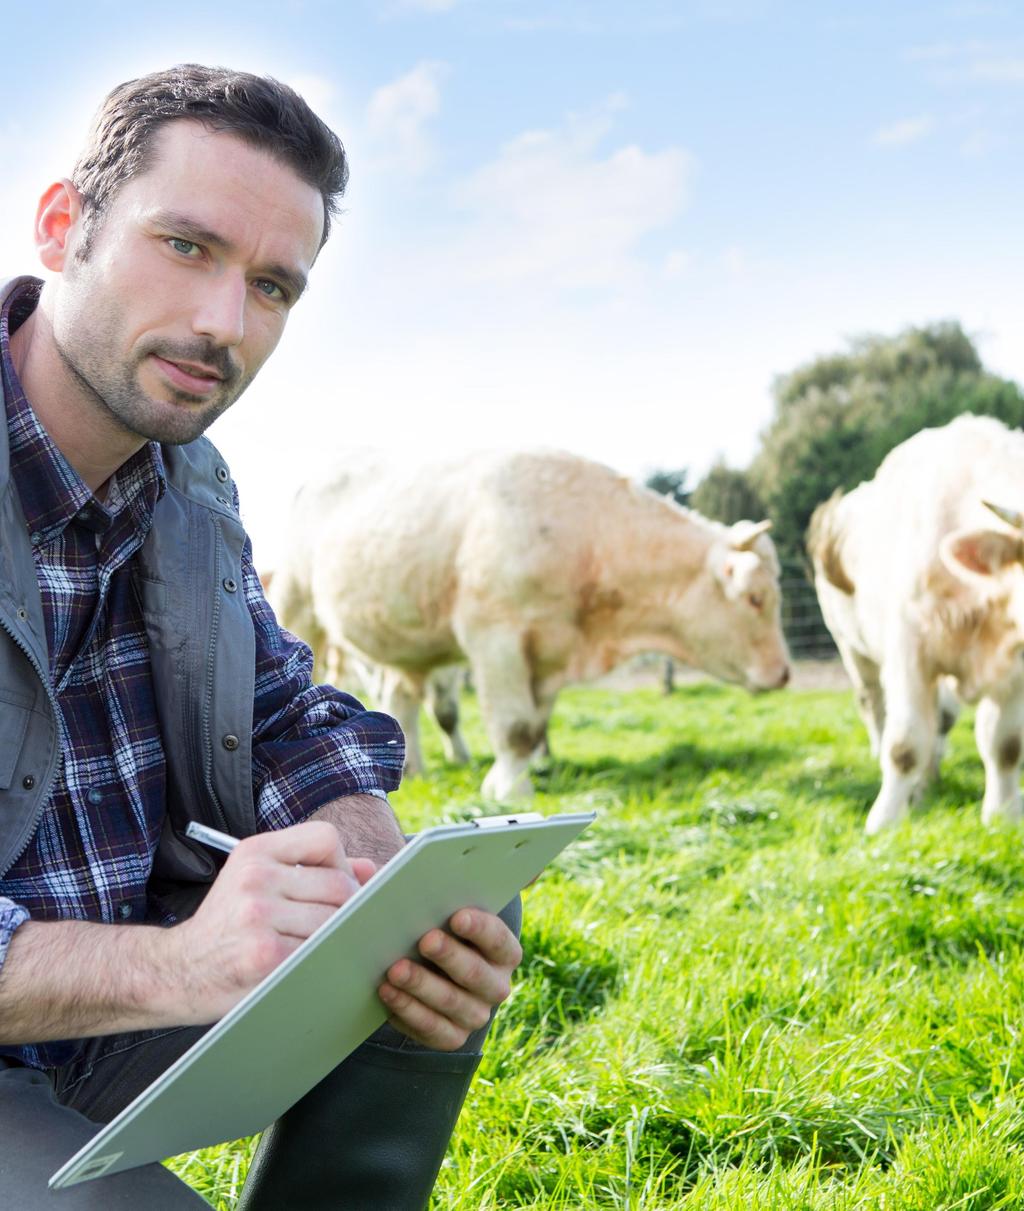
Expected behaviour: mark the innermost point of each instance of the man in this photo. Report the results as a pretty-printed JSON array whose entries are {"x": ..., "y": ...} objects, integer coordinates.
[{"x": 144, "y": 681}]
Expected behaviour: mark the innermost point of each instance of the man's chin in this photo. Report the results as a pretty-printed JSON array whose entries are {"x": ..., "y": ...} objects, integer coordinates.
[{"x": 171, "y": 423}]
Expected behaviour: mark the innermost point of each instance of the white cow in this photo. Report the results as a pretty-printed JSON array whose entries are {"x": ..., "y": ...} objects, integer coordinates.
[
  {"x": 540, "y": 569},
  {"x": 922, "y": 588}
]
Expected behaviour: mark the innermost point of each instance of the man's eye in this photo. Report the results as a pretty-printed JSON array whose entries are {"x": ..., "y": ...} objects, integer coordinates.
[
  {"x": 271, "y": 289},
  {"x": 185, "y": 247}
]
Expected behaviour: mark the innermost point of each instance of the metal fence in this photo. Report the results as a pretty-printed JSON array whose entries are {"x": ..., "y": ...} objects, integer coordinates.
[{"x": 805, "y": 629}]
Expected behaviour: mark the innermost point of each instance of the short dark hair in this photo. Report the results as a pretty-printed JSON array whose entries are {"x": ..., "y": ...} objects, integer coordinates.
[{"x": 259, "y": 109}]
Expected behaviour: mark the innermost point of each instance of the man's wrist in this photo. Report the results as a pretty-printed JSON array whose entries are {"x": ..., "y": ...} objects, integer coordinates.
[{"x": 367, "y": 825}]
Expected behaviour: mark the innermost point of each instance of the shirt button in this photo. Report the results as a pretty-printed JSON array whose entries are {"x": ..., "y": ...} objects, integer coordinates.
[
  {"x": 230, "y": 742},
  {"x": 36, "y": 536},
  {"x": 94, "y": 796},
  {"x": 124, "y": 911},
  {"x": 28, "y": 781}
]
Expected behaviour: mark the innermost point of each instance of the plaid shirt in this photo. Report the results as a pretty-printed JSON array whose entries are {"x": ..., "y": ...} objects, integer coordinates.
[{"x": 91, "y": 855}]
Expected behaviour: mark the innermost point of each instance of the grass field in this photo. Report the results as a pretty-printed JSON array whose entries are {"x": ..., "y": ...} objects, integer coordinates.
[{"x": 731, "y": 998}]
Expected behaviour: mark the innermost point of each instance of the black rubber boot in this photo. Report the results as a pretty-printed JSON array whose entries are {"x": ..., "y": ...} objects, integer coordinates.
[{"x": 372, "y": 1135}]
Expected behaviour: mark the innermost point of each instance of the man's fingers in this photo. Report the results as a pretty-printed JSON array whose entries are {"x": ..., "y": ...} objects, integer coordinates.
[
  {"x": 364, "y": 869},
  {"x": 259, "y": 876},
  {"x": 312, "y": 843},
  {"x": 289, "y": 918},
  {"x": 417, "y": 1020},
  {"x": 467, "y": 1009},
  {"x": 490, "y": 935}
]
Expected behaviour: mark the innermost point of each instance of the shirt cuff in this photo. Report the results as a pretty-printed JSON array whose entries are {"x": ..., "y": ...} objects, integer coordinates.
[{"x": 11, "y": 916}]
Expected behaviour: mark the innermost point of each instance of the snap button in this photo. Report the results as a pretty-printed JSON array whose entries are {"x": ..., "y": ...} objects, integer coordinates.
[
  {"x": 28, "y": 781},
  {"x": 222, "y": 474},
  {"x": 229, "y": 584},
  {"x": 94, "y": 796},
  {"x": 22, "y": 613},
  {"x": 230, "y": 742},
  {"x": 124, "y": 910}
]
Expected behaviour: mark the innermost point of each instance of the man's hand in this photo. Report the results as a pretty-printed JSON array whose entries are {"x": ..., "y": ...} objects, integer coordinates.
[
  {"x": 274, "y": 890},
  {"x": 467, "y": 975}
]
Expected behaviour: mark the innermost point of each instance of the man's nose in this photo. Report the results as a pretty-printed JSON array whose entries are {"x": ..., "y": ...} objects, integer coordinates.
[{"x": 221, "y": 313}]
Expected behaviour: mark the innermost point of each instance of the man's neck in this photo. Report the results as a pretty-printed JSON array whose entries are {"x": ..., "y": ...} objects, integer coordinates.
[{"x": 92, "y": 442}]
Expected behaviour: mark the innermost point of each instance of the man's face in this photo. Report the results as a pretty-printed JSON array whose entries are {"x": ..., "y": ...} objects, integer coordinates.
[{"x": 190, "y": 272}]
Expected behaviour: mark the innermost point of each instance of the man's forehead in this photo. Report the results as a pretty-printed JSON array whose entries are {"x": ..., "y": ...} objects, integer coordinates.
[{"x": 217, "y": 177}]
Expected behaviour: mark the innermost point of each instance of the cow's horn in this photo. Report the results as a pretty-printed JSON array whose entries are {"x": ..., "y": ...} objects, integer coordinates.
[
  {"x": 745, "y": 541},
  {"x": 1010, "y": 516}
]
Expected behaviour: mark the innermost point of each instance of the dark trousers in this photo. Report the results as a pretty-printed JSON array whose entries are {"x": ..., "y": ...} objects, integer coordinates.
[{"x": 372, "y": 1134}]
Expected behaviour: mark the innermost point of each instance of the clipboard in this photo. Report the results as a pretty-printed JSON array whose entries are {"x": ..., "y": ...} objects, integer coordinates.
[{"x": 321, "y": 1002}]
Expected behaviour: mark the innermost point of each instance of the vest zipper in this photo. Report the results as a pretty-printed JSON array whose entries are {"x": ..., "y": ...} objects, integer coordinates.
[
  {"x": 44, "y": 790},
  {"x": 207, "y": 726}
]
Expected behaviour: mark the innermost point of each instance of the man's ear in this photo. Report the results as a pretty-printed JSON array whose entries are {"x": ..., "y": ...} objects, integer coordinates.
[{"x": 58, "y": 216}]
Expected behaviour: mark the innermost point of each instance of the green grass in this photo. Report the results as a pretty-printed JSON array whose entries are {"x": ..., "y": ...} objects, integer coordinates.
[{"x": 731, "y": 998}]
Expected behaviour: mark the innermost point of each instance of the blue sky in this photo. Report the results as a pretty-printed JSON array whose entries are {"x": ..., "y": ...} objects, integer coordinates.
[{"x": 592, "y": 225}]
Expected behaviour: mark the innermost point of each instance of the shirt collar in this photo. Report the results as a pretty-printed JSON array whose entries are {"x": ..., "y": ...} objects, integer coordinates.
[{"x": 50, "y": 489}]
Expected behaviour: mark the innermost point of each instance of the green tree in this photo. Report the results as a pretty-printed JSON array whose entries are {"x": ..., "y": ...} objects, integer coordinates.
[
  {"x": 726, "y": 494},
  {"x": 838, "y": 416},
  {"x": 671, "y": 484}
]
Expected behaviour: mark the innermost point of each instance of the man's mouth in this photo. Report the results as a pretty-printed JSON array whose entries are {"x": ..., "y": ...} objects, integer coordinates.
[{"x": 192, "y": 377}]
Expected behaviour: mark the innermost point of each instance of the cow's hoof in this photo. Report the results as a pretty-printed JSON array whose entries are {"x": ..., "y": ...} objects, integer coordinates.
[
  {"x": 1002, "y": 813},
  {"x": 878, "y": 820},
  {"x": 504, "y": 788}
]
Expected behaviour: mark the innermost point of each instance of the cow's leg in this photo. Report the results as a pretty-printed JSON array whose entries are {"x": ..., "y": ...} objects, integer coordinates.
[
  {"x": 544, "y": 696},
  {"x": 336, "y": 671},
  {"x": 443, "y": 700},
  {"x": 949, "y": 711},
  {"x": 401, "y": 697},
  {"x": 999, "y": 728},
  {"x": 867, "y": 689},
  {"x": 515, "y": 724},
  {"x": 908, "y": 737}
]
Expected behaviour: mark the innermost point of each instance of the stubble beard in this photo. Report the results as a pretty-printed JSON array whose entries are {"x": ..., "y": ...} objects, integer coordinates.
[{"x": 118, "y": 395}]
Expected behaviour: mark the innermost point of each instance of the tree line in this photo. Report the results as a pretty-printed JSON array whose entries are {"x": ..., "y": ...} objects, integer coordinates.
[{"x": 836, "y": 417}]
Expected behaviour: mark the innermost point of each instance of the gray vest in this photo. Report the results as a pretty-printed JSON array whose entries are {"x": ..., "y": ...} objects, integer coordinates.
[{"x": 203, "y": 655}]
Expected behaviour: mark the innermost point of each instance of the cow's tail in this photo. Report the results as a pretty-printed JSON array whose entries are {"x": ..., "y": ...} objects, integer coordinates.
[{"x": 824, "y": 543}]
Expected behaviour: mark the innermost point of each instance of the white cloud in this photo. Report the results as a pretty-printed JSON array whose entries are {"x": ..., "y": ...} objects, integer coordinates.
[
  {"x": 982, "y": 143},
  {"x": 998, "y": 69},
  {"x": 677, "y": 264},
  {"x": 932, "y": 52},
  {"x": 551, "y": 207},
  {"x": 900, "y": 134},
  {"x": 976, "y": 60},
  {"x": 427, "y": 6},
  {"x": 317, "y": 91},
  {"x": 397, "y": 116}
]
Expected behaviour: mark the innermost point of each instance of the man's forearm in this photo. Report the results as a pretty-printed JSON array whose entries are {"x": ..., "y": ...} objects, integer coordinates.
[
  {"x": 74, "y": 979},
  {"x": 367, "y": 825}
]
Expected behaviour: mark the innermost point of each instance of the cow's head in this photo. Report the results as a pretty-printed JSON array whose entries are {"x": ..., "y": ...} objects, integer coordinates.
[
  {"x": 741, "y": 634},
  {"x": 985, "y": 558},
  {"x": 990, "y": 562}
]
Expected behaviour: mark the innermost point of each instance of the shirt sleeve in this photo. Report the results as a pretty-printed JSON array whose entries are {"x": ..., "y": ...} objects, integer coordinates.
[
  {"x": 310, "y": 743},
  {"x": 11, "y": 916}
]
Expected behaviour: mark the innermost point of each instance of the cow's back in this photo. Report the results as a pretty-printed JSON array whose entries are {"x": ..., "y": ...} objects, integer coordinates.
[{"x": 411, "y": 556}]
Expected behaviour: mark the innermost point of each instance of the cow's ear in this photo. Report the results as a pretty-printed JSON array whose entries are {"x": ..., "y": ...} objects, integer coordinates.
[
  {"x": 744, "y": 534},
  {"x": 971, "y": 553}
]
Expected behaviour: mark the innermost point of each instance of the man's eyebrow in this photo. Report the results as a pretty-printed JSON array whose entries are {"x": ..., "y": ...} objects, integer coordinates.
[{"x": 184, "y": 225}]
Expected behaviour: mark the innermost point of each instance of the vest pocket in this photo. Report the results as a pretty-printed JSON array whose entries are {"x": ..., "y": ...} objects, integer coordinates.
[{"x": 15, "y": 709}]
